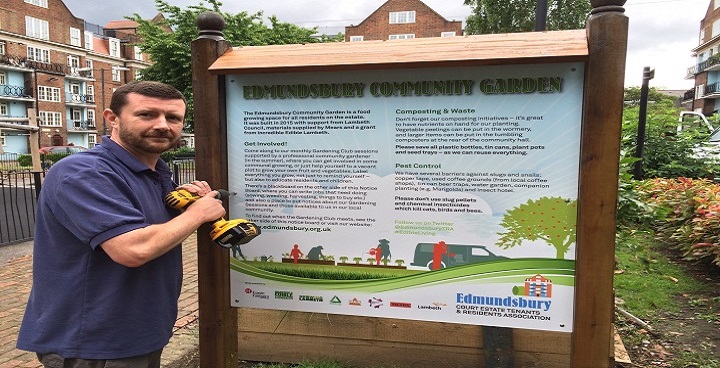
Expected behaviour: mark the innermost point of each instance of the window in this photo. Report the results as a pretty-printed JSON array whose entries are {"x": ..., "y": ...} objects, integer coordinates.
[
  {"x": 138, "y": 74},
  {"x": 75, "y": 39},
  {"x": 51, "y": 94},
  {"x": 114, "y": 44},
  {"x": 73, "y": 61},
  {"x": 699, "y": 91},
  {"x": 402, "y": 36},
  {"x": 357, "y": 38},
  {"x": 89, "y": 65},
  {"x": 91, "y": 118},
  {"x": 3, "y": 78},
  {"x": 116, "y": 75},
  {"x": 75, "y": 88},
  {"x": 2, "y": 47},
  {"x": 50, "y": 118},
  {"x": 702, "y": 35},
  {"x": 715, "y": 28},
  {"x": 38, "y": 54},
  {"x": 2, "y": 138},
  {"x": 402, "y": 17},
  {"x": 42, "y": 3},
  {"x": 90, "y": 91},
  {"x": 89, "y": 40},
  {"x": 447, "y": 34},
  {"x": 4, "y": 109},
  {"x": 138, "y": 53},
  {"x": 36, "y": 28}
]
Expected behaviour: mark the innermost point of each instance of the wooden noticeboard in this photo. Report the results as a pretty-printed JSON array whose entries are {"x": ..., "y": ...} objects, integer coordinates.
[{"x": 589, "y": 63}]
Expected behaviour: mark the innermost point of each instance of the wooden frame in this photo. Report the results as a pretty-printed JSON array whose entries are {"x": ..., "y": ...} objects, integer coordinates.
[{"x": 602, "y": 46}]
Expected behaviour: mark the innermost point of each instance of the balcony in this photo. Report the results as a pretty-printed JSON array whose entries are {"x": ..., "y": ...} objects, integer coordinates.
[
  {"x": 712, "y": 91},
  {"x": 689, "y": 95},
  {"x": 78, "y": 73},
  {"x": 79, "y": 99},
  {"x": 691, "y": 71},
  {"x": 15, "y": 92},
  {"x": 81, "y": 125}
]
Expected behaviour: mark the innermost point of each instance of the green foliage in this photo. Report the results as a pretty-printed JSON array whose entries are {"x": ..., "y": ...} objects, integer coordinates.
[
  {"x": 169, "y": 156},
  {"x": 25, "y": 160},
  {"x": 666, "y": 153},
  {"x": 170, "y": 51},
  {"x": 549, "y": 219},
  {"x": 509, "y": 16}
]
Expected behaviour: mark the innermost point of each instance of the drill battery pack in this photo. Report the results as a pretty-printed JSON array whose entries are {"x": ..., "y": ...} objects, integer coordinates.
[{"x": 233, "y": 232}]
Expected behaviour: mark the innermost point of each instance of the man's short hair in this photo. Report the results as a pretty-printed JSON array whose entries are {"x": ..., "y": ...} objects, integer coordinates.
[{"x": 146, "y": 88}]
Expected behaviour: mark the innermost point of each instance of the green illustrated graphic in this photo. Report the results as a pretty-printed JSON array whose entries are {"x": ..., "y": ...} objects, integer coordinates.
[{"x": 551, "y": 219}]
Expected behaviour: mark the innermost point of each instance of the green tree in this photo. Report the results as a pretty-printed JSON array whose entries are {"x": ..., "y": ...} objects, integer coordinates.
[
  {"x": 509, "y": 16},
  {"x": 551, "y": 219},
  {"x": 170, "y": 51}
]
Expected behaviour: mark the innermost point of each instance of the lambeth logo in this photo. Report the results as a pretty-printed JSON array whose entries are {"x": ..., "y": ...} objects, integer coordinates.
[
  {"x": 375, "y": 302},
  {"x": 286, "y": 295},
  {"x": 310, "y": 298},
  {"x": 354, "y": 302}
]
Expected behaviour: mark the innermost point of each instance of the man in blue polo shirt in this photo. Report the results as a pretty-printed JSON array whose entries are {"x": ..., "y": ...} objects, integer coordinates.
[{"x": 107, "y": 268}]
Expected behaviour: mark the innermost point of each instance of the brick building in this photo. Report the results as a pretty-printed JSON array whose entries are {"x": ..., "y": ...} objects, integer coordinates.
[
  {"x": 706, "y": 71},
  {"x": 64, "y": 67},
  {"x": 403, "y": 19}
]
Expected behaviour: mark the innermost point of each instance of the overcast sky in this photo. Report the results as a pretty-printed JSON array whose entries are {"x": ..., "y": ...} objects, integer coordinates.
[{"x": 662, "y": 32}]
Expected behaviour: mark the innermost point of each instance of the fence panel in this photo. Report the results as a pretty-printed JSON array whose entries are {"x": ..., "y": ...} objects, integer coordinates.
[{"x": 17, "y": 205}]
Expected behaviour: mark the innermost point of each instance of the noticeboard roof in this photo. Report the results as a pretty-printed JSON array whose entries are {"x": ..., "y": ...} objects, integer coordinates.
[{"x": 516, "y": 48}]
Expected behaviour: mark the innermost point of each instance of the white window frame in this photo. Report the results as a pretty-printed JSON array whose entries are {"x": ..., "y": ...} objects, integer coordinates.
[
  {"x": 114, "y": 47},
  {"x": 2, "y": 47},
  {"x": 92, "y": 140},
  {"x": 357, "y": 38},
  {"x": 73, "y": 61},
  {"x": 715, "y": 28},
  {"x": 91, "y": 117},
  {"x": 76, "y": 38},
  {"x": 51, "y": 94},
  {"x": 50, "y": 118},
  {"x": 402, "y": 17},
  {"x": 88, "y": 41},
  {"x": 38, "y": 54},
  {"x": 90, "y": 92},
  {"x": 138, "y": 53},
  {"x": 448, "y": 34},
  {"x": 40, "y": 3},
  {"x": 37, "y": 28},
  {"x": 74, "y": 88},
  {"x": 89, "y": 65},
  {"x": 2, "y": 138},
  {"x": 3, "y": 78},
  {"x": 407, "y": 36},
  {"x": 115, "y": 74},
  {"x": 4, "y": 108}
]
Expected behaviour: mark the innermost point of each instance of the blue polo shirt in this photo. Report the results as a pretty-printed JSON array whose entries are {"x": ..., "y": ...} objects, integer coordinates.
[{"x": 83, "y": 304}]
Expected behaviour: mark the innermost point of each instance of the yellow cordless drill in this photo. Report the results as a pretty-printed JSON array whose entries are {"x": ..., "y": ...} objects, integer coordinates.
[{"x": 225, "y": 233}]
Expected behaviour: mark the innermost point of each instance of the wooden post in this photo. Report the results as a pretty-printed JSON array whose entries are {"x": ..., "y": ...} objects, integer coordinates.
[
  {"x": 218, "y": 321},
  {"x": 607, "y": 30}
]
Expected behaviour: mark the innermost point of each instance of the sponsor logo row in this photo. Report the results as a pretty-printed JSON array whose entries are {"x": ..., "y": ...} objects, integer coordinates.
[{"x": 372, "y": 302}]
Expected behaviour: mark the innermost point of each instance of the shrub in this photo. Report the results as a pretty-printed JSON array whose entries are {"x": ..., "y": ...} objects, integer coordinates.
[{"x": 686, "y": 214}]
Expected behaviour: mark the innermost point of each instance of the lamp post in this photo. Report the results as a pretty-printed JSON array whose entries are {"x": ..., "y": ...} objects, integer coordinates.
[
  {"x": 541, "y": 15},
  {"x": 648, "y": 74}
]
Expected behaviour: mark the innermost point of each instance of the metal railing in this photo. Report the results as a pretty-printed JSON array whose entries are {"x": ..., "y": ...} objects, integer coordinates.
[
  {"x": 20, "y": 187},
  {"x": 7, "y": 90}
]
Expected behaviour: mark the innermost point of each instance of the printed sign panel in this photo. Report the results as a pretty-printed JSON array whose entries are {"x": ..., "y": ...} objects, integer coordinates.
[{"x": 429, "y": 194}]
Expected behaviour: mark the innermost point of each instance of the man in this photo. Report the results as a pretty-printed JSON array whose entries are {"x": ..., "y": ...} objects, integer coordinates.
[{"x": 107, "y": 268}]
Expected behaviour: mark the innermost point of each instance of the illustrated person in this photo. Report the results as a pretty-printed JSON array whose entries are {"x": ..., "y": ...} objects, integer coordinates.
[
  {"x": 384, "y": 246},
  {"x": 439, "y": 249},
  {"x": 315, "y": 253},
  {"x": 237, "y": 252},
  {"x": 107, "y": 262},
  {"x": 295, "y": 253},
  {"x": 377, "y": 252}
]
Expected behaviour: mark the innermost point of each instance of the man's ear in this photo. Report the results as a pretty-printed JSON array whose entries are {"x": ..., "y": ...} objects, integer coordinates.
[{"x": 110, "y": 117}]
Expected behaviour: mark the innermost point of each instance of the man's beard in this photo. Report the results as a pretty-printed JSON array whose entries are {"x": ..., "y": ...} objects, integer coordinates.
[{"x": 140, "y": 142}]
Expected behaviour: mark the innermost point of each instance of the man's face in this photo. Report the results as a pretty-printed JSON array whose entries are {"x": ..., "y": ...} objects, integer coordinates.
[{"x": 149, "y": 125}]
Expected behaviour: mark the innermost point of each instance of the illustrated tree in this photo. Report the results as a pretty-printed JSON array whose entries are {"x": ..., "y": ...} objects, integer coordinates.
[
  {"x": 343, "y": 259},
  {"x": 399, "y": 262},
  {"x": 371, "y": 261},
  {"x": 167, "y": 42},
  {"x": 357, "y": 260},
  {"x": 509, "y": 16},
  {"x": 551, "y": 219}
]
